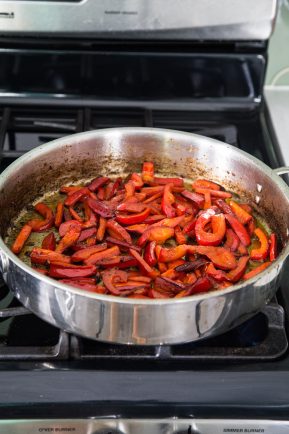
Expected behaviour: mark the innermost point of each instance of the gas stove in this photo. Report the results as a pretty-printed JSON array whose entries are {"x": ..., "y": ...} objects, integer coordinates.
[{"x": 56, "y": 84}]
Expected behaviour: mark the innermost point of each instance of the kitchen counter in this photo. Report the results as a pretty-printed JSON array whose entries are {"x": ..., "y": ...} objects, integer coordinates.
[{"x": 277, "y": 100}]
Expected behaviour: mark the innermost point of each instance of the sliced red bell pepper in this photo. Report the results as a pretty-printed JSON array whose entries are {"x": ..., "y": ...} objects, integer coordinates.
[
  {"x": 59, "y": 214},
  {"x": 154, "y": 218},
  {"x": 238, "y": 272},
  {"x": 177, "y": 182},
  {"x": 70, "y": 271},
  {"x": 189, "y": 228},
  {"x": 121, "y": 244},
  {"x": 101, "y": 229},
  {"x": 129, "y": 190},
  {"x": 239, "y": 229},
  {"x": 203, "y": 183},
  {"x": 179, "y": 236},
  {"x": 273, "y": 247},
  {"x": 242, "y": 250},
  {"x": 127, "y": 262},
  {"x": 111, "y": 277},
  {"x": 66, "y": 226},
  {"x": 148, "y": 172},
  {"x": 86, "y": 233},
  {"x": 232, "y": 241},
  {"x": 208, "y": 200},
  {"x": 83, "y": 254},
  {"x": 69, "y": 189},
  {"x": 113, "y": 261},
  {"x": 167, "y": 200},
  {"x": 86, "y": 283},
  {"x": 131, "y": 207},
  {"x": 214, "y": 193},
  {"x": 42, "y": 225},
  {"x": 131, "y": 219},
  {"x": 203, "y": 284},
  {"x": 262, "y": 252},
  {"x": 192, "y": 265},
  {"x": 119, "y": 230},
  {"x": 224, "y": 206},
  {"x": 153, "y": 293},
  {"x": 21, "y": 239},
  {"x": 100, "y": 208},
  {"x": 168, "y": 285},
  {"x": 137, "y": 180},
  {"x": 256, "y": 270},
  {"x": 198, "y": 199},
  {"x": 140, "y": 228},
  {"x": 153, "y": 198},
  {"x": 221, "y": 257},
  {"x": 100, "y": 193},
  {"x": 143, "y": 264},
  {"x": 108, "y": 253},
  {"x": 218, "y": 275},
  {"x": 43, "y": 256},
  {"x": 49, "y": 242},
  {"x": 240, "y": 213},
  {"x": 173, "y": 253},
  {"x": 69, "y": 239},
  {"x": 149, "y": 253},
  {"x": 218, "y": 226},
  {"x": 251, "y": 227},
  {"x": 160, "y": 234},
  {"x": 98, "y": 182},
  {"x": 75, "y": 215},
  {"x": 72, "y": 199},
  {"x": 112, "y": 187},
  {"x": 170, "y": 222}
]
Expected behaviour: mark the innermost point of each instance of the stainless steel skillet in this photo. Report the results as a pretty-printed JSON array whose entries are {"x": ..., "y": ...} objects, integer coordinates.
[{"x": 118, "y": 151}]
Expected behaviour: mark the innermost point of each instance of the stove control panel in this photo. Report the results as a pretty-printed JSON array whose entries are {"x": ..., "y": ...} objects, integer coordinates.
[{"x": 142, "y": 426}]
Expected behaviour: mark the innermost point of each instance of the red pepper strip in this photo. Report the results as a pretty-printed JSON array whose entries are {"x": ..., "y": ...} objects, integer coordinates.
[
  {"x": 100, "y": 208},
  {"x": 65, "y": 227},
  {"x": 127, "y": 262},
  {"x": 224, "y": 206},
  {"x": 111, "y": 188},
  {"x": 81, "y": 284},
  {"x": 42, "y": 256},
  {"x": 232, "y": 241},
  {"x": 69, "y": 189},
  {"x": 89, "y": 242},
  {"x": 69, "y": 239},
  {"x": 75, "y": 215},
  {"x": 218, "y": 275},
  {"x": 144, "y": 265},
  {"x": 101, "y": 229},
  {"x": 153, "y": 198},
  {"x": 273, "y": 247},
  {"x": 239, "y": 229},
  {"x": 173, "y": 253},
  {"x": 246, "y": 207},
  {"x": 119, "y": 230},
  {"x": 131, "y": 207},
  {"x": 262, "y": 252},
  {"x": 139, "y": 278},
  {"x": 220, "y": 256},
  {"x": 141, "y": 228},
  {"x": 49, "y": 242},
  {"x": 167, "y": 201},
  {"x": 160, "y": 234},
  {"x": 108, "y": 253},
  {"x": 203, "y": 284},
  {"x": 70, "y": 271},
  {"x": 178, "y": 182},
  {"x": 251, "y": 227},
  {"x": 59, "y": 214},
  {"x": 203, "y": 183},
  {"x": 237, "y": 273},
  {"x": 121, "y": 244},
  {"x": 98, "y": 182},
  {"x": 168, "y": 285},
  {"x": 218, "y": 225},
  {"x": 149, "y": 253},
  {"x": 83, "y": 254},
  {"x": 101, "y": 193},
  {"x": 66, "y": 215},
  {"x": 240, "y": 213},
  {"x": 87, "y": 233},
  {"x": 256, "y": 270},
  {"x": 148, "y": 172},
  {"x": 194, "y": 197},
  {"x": 214, "y": 193},
  {"x": 180, "y": 209},
  {"x": 129, "y": 190},
  {"x": 21, "y": 239},
  {"x": 137, "y": 180},
  {"x": 169, "y": 223},
  {"x": 73, "y": 198},
  {"x": 154, "y": 218},
  {"x": 131, "y": 219},
  {"x": 242, "y": 250},
  {"x": 109, "y": 262},
  {"x": 110, "y": 277},
  {"x": 179, "y": 236},
  {"x": 149, "y": 191},
  {"x": 40, "y": 270},
  {"x": 156, "y": 294},
  {"x": 42, "y": 225},
  {"x": 189, "y": 228}
]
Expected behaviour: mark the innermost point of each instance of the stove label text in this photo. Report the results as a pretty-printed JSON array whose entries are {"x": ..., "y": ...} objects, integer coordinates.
[{"x": 244, "y": 430}]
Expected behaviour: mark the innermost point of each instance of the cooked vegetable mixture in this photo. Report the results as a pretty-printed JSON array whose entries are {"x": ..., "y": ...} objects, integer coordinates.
[{"x": 148, "y": 237}]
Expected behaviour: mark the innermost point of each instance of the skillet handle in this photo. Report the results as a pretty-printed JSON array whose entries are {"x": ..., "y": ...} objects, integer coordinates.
[{"x": 281, "y": 170}]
